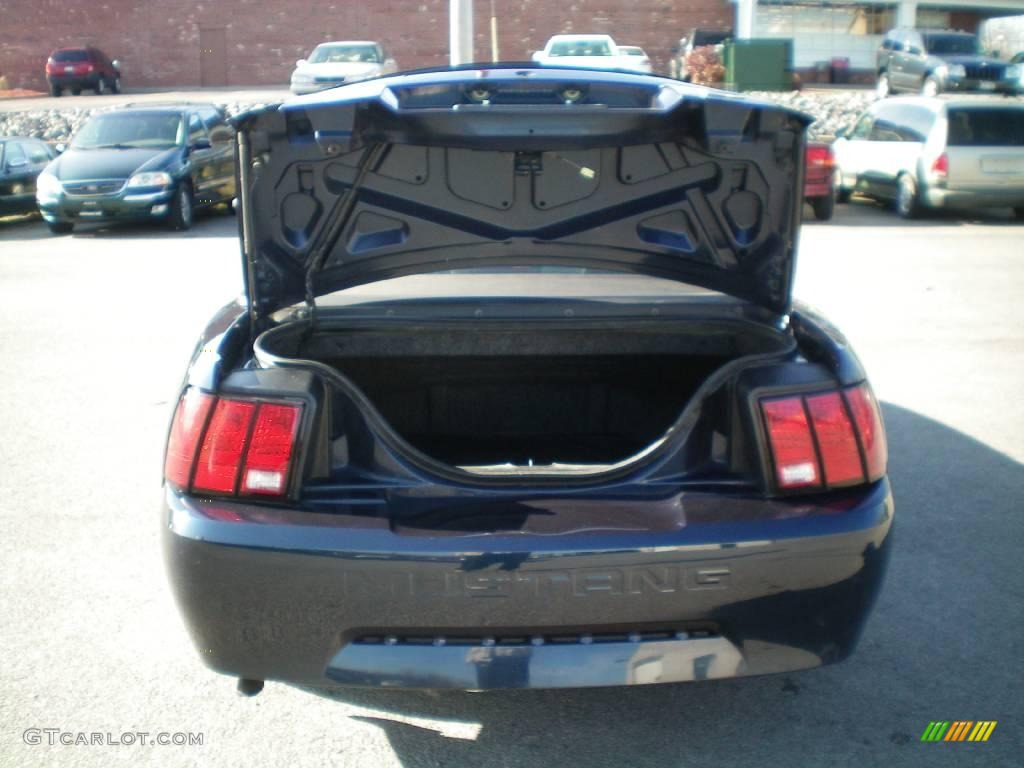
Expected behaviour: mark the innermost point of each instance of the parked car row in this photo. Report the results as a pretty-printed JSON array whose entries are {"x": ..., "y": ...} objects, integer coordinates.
[
  {"x": 929, "y": 61},
  {"x": 143, "y": 163},
  {"x": 925, "y": 153}
]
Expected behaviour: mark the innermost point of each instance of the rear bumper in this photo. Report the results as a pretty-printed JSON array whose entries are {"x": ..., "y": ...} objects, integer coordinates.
[
  {"x": 74, "y": 81},
  {"x": 1011, "y": 197},
  {"x": 818, "y": 189},
  {"x": 335, "y": 599},
  {"x": 1006, "y": 87},
  {"x": 300, "y": 89},
  {"x": 819, "y": 182}
]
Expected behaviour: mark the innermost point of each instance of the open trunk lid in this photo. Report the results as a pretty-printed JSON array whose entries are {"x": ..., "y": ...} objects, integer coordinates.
[{"x": 482, "y": 168}]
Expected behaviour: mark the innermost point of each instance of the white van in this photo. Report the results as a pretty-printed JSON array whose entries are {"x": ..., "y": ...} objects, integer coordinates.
[{"x": 955, "y": 152}]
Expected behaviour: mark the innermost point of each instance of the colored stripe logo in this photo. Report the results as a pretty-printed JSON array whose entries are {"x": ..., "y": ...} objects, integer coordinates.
[{"x": 959, "y": 730}]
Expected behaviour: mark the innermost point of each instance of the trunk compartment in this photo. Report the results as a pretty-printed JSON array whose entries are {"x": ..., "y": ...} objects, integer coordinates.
[{"x": 506, "y": 397}]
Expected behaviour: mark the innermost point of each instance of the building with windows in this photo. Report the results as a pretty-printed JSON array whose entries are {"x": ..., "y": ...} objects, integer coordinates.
[
  {"x": 823, "y": 30},
  {"x": 182, "y": 43},
  {"x": 174, "y": 43}
]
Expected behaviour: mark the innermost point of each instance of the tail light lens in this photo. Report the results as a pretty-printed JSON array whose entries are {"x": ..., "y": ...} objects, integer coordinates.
[
  {"x": 828, "y": 439},
  {"x": 868, "y": 419},
  {"x": 940, "y": 167},
  {"x": 230, "y": 446},
  {"x": 796, "y": 463},
  {"x": 186, "y": 428},
  {"x": 266, "y": 466},
  {"x": 224, "y": 446},
  {"x": 837, "y": 443},
  {"x": 821, "y": 157}
]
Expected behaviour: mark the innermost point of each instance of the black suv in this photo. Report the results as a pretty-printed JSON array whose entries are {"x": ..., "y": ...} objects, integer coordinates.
[
  {"x": 144, "y": 164},
  {"x": 931, "y": 61}
]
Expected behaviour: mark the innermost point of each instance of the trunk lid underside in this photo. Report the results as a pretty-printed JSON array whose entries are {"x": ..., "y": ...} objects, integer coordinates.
[{"x": 492, "y": 168}]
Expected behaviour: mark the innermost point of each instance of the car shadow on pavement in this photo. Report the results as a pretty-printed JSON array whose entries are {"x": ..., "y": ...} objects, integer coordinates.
[
  {"x": 213, "y": 223},
  {"x": 205, "y": 224},
  {"x": 937, "y": 646},
  {"x": 27, "y": 226}
]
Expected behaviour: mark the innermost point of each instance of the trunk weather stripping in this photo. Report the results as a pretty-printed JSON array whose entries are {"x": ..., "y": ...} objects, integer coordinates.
[{"x": 676, "y": 433}]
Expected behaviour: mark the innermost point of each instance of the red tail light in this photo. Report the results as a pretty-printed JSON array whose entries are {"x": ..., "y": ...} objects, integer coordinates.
[
  {"x": 224, "y": 446},
  {"x": 941, "y": 165},
  {"x": 796, "y": 464},
  {"x": 820, "y": 156},
  {"x": 270, "y": 455},
  {"x": 836, "y": 440},
  {"x": 230, "y": 446},
  {"x": 186, "y": 429},
  {"x": 826, "y": 439},
  {"x": 868, "y": 419}
]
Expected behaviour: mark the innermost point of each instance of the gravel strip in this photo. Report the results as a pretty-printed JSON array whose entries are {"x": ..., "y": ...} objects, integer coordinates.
[
  {"x": 59, "y": 125},
  {"x": 832, "y": 110}
]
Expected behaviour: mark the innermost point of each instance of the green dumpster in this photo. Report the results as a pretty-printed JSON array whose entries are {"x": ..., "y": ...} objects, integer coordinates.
[{"x": 758, "y": 65}]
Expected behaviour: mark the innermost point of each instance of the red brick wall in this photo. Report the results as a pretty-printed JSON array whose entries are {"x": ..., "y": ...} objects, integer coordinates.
[{"x": 157, "y": 41}]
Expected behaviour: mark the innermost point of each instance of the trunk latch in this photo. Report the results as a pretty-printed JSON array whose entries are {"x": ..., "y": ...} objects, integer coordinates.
[{"x": 528, "y": 163}]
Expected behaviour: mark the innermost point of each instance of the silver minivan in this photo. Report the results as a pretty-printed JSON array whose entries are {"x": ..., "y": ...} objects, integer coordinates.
[{"x": 947, "y": 152}]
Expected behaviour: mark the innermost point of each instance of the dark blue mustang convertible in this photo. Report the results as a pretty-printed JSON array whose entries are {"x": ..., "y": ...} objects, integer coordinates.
[{"x": 517, "y": 397}]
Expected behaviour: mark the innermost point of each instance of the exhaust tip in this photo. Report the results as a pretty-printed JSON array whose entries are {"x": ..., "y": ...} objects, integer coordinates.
[{"x": 248, "y": 687}]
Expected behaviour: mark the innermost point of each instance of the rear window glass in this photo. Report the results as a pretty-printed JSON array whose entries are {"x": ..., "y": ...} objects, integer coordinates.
[
  {"x": 580, "y": 48},
  {"x": 71, "y": 56},
  {"x": 345, "y": 54},
  {"x": 986, "y": 127}
]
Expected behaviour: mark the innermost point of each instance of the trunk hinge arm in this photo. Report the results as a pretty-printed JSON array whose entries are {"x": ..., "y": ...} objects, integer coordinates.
[{"x": 338, "y": 218}]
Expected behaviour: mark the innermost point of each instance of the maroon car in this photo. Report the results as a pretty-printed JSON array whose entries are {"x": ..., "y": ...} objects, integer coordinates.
[
  {"x": 820, "y": 179},
  {"x": 77, "y": 69}
]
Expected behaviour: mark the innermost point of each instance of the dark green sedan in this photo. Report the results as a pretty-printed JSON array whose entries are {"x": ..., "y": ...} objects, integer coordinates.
[
  {"x": 156, "y": 163},
  {"x": 21, "y": 160}
]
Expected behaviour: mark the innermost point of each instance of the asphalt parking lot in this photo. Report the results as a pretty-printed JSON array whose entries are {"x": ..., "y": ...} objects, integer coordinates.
[{"x": 95, "y": 331}]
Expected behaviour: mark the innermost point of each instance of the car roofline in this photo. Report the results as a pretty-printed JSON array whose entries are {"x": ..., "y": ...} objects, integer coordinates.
[{"x": 346, "y": 42}]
